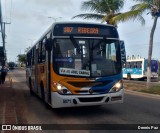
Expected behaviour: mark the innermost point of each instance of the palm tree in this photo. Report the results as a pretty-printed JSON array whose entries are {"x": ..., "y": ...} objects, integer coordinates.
[
  {"x": 153, "y": 8},
  {"x": 109, "y": 11},
  {"x": 102, "y": 10}
]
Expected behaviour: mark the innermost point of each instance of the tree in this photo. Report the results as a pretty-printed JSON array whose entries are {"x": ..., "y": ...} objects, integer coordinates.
[
  {"x": 103, "y": 10},
  {"x": 22, "y": 58},
  {"x": 153, "y": 8},
  {"x": 109, "y": 11}
]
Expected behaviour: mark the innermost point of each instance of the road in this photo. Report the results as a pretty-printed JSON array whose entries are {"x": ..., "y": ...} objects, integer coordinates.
[{"x": 135, "y": 110}]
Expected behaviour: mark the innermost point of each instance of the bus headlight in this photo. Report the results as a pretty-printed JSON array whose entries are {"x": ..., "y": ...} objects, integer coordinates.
[
  {"x": 62, "y": 89},
  {"x": 117, "y": 87}
]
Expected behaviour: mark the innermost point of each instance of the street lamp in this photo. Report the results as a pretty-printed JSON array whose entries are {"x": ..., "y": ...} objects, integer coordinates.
[
  {"x": 31, "y": 41},
  {"x": 55, "y": 19}
]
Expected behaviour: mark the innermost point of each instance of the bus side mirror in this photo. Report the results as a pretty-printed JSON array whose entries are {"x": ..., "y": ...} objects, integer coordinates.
[
  {"x": 48, "y": 44},
  {"x": 123, "y": 52}
]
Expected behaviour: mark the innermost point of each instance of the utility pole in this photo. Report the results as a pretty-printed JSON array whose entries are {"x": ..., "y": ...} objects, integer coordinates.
[
  {"x": 4, "y": 37},
  {"x": 2, "y": 49},
  {"x": 2, "y": 25},
  {"x": 3, "y": 33}
]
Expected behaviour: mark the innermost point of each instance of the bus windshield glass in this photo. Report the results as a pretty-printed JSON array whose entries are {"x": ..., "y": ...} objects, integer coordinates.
[{"x": 86, "y": 57}]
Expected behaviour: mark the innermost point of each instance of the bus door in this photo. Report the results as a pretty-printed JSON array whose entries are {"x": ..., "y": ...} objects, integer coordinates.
[{"x": 48, "y": 48}]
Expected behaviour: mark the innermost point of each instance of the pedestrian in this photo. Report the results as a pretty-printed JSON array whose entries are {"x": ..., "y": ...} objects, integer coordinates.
[{"x": 3, "y": 74}]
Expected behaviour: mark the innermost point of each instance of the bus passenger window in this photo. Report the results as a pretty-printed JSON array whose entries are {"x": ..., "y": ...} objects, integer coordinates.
[
  {"x": 139, "y": 64},
  {"x": 43, "y": 53},
  {"x": 132, "y": 65},
  {"x": 28, "y": 63},
  {"x": 135, "y": 64},
  {"x": 39, "y": 53},
  {"x": 128, "y": 65},
  {"x": 33, "y": 56}
]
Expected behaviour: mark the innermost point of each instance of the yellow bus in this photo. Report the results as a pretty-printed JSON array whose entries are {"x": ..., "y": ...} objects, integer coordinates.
[{"x": 76, "y": 64}]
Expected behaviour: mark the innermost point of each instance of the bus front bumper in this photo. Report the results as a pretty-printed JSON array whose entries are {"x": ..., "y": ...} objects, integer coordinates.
[{"x": 60, "y": 101}]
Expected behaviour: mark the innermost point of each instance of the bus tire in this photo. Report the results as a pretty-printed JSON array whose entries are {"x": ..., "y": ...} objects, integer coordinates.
[
  {"x": 30, "y": 88},
  {"x": 128, "y": 76}
]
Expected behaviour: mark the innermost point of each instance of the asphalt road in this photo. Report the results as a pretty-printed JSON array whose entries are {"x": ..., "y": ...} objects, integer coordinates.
[{"x": 136, "y": 109}]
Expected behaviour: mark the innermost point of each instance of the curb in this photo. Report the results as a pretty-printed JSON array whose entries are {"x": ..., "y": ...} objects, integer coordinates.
[{"x": 155, "y": 96}]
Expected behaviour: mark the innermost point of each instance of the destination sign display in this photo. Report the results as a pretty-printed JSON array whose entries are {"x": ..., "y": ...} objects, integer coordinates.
[
  {"x": 81, "y": 30},
  {"x": 74, "y": 72},
  {"x": 94, "y": 30}
]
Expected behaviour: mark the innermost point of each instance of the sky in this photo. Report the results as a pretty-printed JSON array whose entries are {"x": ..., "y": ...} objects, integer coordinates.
[{"x": 29, "y": 20}]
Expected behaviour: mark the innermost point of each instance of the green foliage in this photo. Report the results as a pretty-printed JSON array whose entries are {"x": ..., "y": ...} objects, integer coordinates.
[
  {"x": 152, "y": 90},
  {"x": 102, "y": 10},
  {"x": 22, "y": 58},
  {"x": 109, "y": 10},
  {"x": 150, "y": 6}
]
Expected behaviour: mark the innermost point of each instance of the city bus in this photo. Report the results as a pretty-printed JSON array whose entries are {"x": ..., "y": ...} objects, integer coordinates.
[
  {"x": 136, "y": 68},
  {"x": 76, "y": 64}
]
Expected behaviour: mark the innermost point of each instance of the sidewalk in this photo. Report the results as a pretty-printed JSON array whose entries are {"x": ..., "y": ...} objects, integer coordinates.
[{"x": 8, "y": 113}]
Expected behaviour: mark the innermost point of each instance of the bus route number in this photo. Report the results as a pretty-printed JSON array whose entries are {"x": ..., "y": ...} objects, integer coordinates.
[
  {"x": 66, "y": 101},
  {"x": 68, "y": 29}
]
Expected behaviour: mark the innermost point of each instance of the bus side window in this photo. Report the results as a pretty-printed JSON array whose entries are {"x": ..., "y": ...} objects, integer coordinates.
[
  {"x": 28, "y": 63},
  {"x": 43, "y": 50},
  {"x": 135, "y": 64},
  {"x": 33, "y": 56},
  {"x": 139, "y": 63},
  {"x": 127, "y": 64},
  {"x": 40, "y": 52},
  {"x": 132, "y": 65}
]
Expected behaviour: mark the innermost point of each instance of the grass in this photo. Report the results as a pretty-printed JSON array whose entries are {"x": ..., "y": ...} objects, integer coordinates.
[{"x": 153, "y": 89}]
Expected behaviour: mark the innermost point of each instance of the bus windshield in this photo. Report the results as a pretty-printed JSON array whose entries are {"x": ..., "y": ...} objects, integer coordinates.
[{"x": 86, "y": 57}]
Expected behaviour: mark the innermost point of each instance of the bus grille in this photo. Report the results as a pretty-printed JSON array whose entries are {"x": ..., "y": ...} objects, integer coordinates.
[
  {"x": 86, "y": 92},
  {"x": 91, "y": 99}
]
